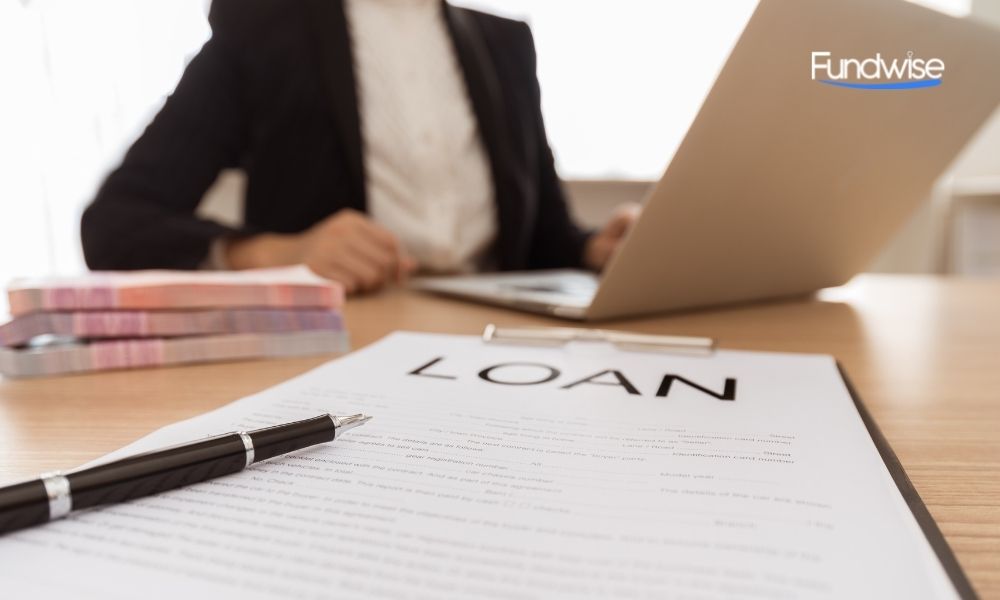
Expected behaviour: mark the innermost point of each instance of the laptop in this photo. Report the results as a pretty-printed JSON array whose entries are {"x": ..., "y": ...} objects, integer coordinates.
[{"x": 827, "y": 126}]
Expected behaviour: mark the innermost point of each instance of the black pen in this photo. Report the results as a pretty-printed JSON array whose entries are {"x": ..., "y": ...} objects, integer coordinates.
[{"x": 55, "y": 495}]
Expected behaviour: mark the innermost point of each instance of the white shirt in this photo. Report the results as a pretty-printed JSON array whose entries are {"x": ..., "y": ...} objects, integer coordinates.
[{"x": 427, "y": 174}]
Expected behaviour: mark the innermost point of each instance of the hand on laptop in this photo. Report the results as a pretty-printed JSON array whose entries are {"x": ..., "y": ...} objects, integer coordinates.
[
  {"x": 602, "y": 244},
  {"x": 347, "y": 247}
]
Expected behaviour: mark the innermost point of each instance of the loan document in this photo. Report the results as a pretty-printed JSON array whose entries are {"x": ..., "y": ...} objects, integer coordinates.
[{"x": 494, "y": 471}]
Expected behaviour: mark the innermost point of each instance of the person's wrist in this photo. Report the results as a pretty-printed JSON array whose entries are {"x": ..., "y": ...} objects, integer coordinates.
[
  {"x": 261, "y": 251},
  {"x": 592, "y": 253}
]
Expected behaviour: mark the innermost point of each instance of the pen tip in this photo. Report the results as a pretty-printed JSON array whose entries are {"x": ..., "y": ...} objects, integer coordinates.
[{"x": 342, "y": 424}]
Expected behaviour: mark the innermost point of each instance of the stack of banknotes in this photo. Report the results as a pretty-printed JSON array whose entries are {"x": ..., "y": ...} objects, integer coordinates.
[{"x": 147, "y": 318}]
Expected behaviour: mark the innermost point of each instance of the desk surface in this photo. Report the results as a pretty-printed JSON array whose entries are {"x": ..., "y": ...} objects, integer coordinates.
[{"x": 924, "y": 353}]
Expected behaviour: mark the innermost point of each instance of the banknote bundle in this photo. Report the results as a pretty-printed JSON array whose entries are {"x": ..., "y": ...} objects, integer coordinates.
[
  {"x": 21, "y": 330},
  {"x": 289, "y": 287},
  {"x": 100, "y": 355},
  {"x": 116, "y": 320}
]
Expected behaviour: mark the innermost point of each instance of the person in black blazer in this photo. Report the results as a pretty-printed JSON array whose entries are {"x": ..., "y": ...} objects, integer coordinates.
[{"x": 274, "y": 92}]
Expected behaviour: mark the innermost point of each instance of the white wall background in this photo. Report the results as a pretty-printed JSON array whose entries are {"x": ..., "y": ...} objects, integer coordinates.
[{"x": 621, "y": 80}]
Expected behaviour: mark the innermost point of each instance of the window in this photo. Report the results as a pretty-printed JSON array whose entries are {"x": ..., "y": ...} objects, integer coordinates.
[{"x": 81, "y": 80}]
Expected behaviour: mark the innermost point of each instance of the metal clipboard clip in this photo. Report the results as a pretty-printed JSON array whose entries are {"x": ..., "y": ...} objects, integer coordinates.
[{"x": 623, "y": 340}]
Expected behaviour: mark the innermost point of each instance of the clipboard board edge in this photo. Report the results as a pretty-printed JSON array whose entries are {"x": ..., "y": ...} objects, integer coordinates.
[{"x": 913, "y": 500}]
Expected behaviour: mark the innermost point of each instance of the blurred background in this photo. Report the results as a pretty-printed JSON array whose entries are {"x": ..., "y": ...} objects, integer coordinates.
[{"x": 82, "y": 79}]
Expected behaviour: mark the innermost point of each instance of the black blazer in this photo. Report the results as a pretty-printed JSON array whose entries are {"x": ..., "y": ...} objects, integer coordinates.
[{"x": 273, "y": 92}]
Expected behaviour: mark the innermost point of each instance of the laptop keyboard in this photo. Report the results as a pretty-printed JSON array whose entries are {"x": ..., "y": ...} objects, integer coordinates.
[{"x": 578, "y": 287}]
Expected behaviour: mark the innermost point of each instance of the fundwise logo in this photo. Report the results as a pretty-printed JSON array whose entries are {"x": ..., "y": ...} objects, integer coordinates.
[{"x": 877, "y": 73}]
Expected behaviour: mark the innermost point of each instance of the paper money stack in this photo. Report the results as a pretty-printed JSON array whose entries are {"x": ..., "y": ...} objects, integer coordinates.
[{"x": 118, "y": 320}]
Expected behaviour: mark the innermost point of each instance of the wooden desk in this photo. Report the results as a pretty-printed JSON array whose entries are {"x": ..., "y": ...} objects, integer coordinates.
[{"x": 924, "y": 353}]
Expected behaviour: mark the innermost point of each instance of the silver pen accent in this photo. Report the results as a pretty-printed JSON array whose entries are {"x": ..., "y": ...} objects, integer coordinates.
[
  {"x": 248, "y": 446},
  {"x": 58, "y": 491},
  {"x": 342, "y": 424}
]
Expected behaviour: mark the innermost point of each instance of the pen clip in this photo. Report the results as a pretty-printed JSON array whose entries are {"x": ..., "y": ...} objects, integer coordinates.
[{"x": 624, "y": 340}]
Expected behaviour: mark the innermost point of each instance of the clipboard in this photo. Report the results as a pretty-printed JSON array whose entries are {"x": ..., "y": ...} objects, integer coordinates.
[{"x": 555, "y": 336}]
